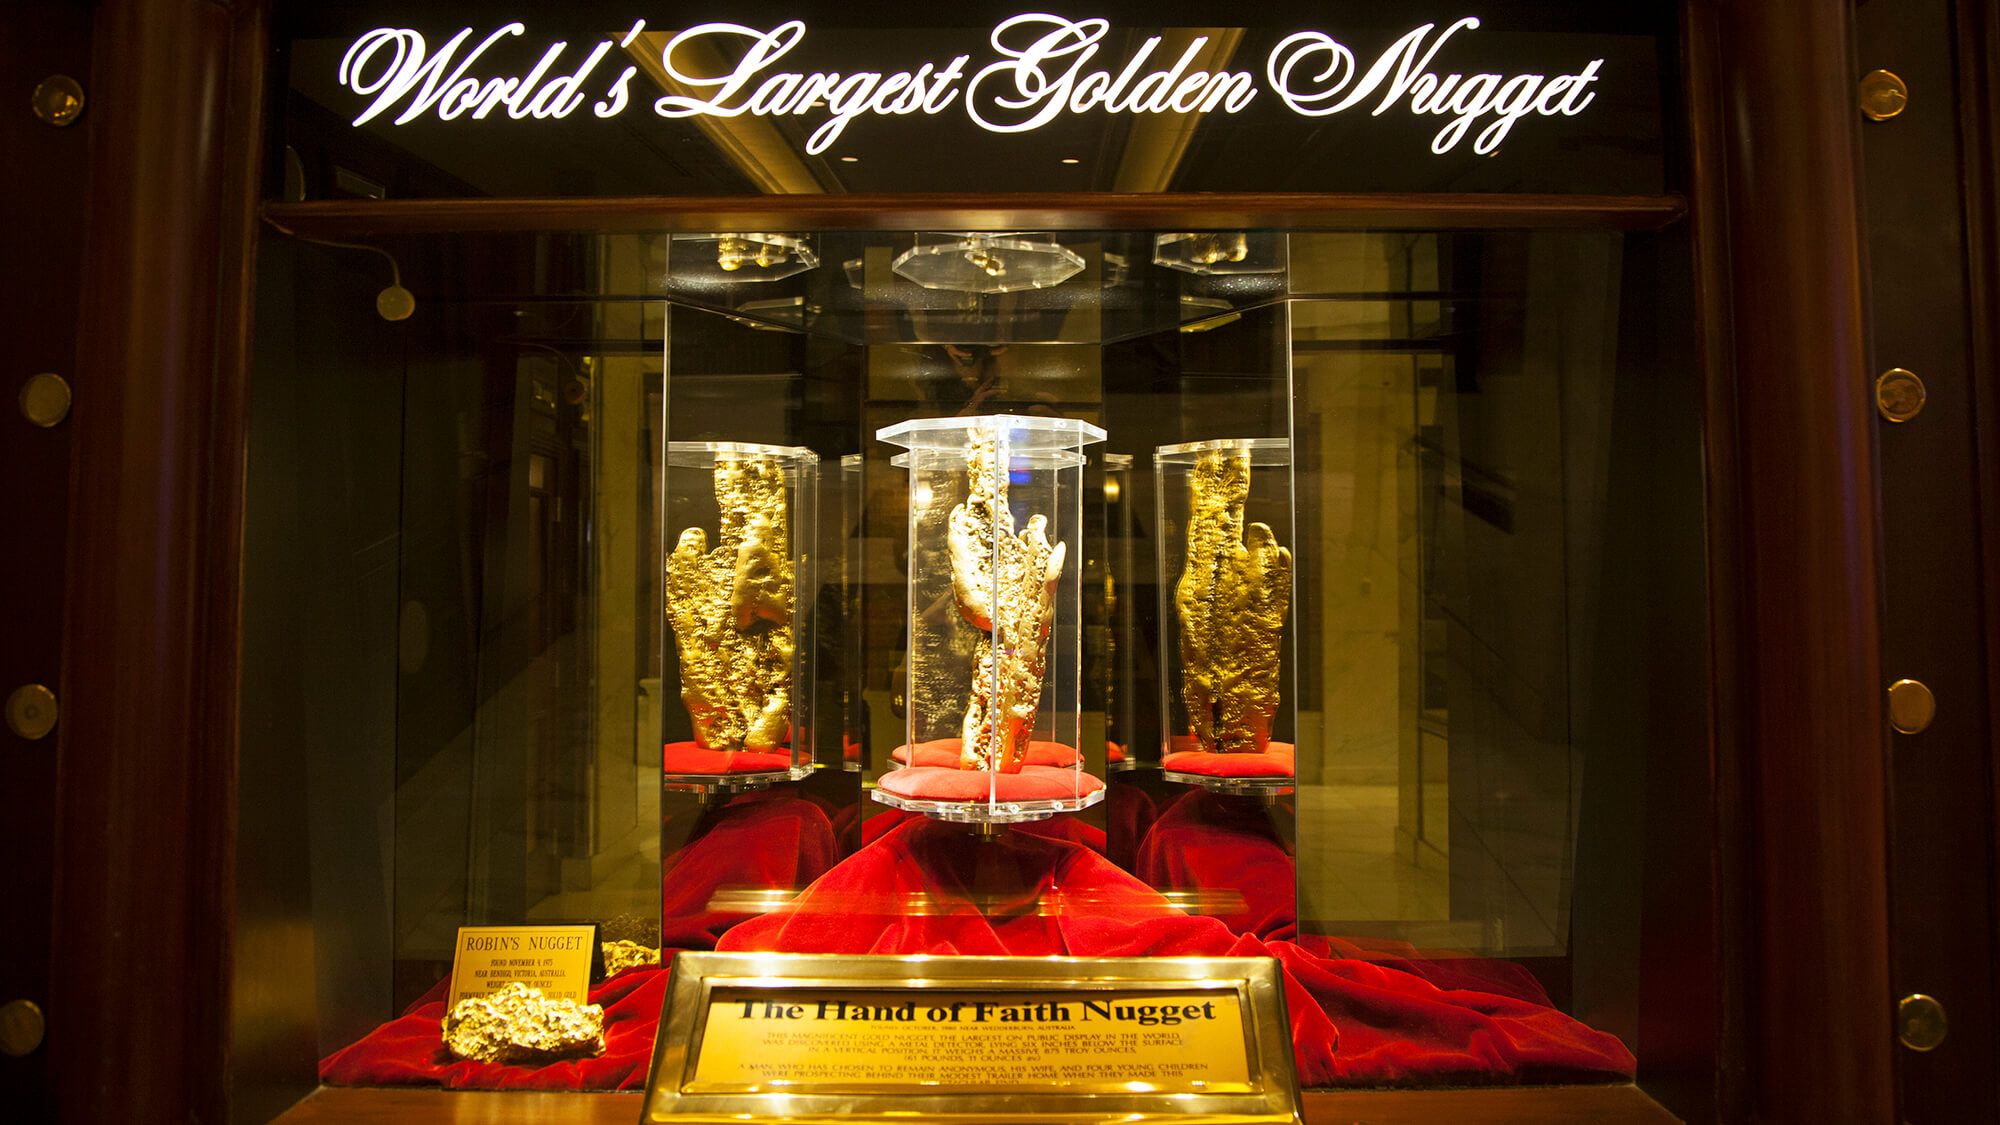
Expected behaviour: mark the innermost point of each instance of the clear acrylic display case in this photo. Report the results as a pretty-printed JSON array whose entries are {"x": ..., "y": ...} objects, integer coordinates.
[
  {"x": 739, "y": 594},
  {"x": 993, "y": 731},
  {"x": 1228, "y": 668}
]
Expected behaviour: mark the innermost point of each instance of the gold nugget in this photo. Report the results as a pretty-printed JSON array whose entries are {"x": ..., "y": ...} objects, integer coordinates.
[
  {"x": 1231, "y": 601},
  {"x": 518, "y": 1024},
  {"x": 622, "y": 955},
  {"x": 1004, "y": 583},
  {"x": 731, "y": 609}
]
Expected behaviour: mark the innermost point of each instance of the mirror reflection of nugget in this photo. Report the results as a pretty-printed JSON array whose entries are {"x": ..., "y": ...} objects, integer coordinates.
[
  {"x": 1231, "y": 602},
  {"x": 731, "y": 610},
  {"x": 1004, "y": 584}
]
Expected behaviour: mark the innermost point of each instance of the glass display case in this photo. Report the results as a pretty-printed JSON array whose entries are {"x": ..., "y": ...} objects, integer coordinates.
[
  {"x": 740, "y": 613},
  {"x": 993, "y": 658},
  {"x": 1018, "y": 593}
]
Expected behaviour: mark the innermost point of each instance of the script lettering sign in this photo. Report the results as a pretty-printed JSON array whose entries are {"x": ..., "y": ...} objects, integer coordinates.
[{"x": 1034, "y": 69}]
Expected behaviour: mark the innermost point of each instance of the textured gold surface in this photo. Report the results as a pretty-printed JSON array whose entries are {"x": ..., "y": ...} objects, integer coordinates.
[
  {"x": 519, "y": 1024},
  {"x": 1004, "y": 584},
  {"x": 622, "y": 955},
  {"x": 731, "y": 609},
  {"x": 1231, "y": 601}
]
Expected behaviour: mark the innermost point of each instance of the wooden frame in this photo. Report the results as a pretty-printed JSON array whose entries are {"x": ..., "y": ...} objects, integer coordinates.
[{"x": 1797, "y": 1028}]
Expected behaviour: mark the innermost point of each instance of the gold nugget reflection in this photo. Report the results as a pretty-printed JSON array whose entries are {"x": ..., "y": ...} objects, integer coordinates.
[
  {"x": 731, "y": 609},
  {"x": 1017, "y": 604},
  {"x": 1231, "y": 601}
]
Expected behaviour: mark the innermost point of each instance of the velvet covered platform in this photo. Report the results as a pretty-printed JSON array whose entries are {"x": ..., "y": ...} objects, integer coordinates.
[{"x": 1363, "y": 1012}]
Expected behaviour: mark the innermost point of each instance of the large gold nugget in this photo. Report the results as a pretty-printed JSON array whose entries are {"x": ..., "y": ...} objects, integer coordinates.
[
  {"x": 1231, "y": 601},
  {"x": 731, "y": 609},
  {"x": 518, "y": 1024},
  {"x": 1006, "y": 582}
]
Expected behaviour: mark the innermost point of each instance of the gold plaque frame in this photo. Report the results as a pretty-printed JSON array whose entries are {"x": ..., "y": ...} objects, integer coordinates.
[{"x": 1272, "y": 1097}]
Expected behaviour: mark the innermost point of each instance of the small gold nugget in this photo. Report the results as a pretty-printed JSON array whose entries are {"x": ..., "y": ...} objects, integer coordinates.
[
  {"x": 1018, "y": 602},
  {"x": 731, "y": 609},
  {"x": 520, "y": 1025},
  {"x": 1231, "y": 601},
  {"x": 622, "y": 955}
]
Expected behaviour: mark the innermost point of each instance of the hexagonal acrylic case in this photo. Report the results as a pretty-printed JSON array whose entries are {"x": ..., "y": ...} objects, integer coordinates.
[{"x": 994, "y": 619}]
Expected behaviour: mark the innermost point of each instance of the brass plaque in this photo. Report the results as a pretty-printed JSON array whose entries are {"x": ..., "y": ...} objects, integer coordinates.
[
  {"x": 802, "y": 1038},
  {"x": 555, "y": 959}
]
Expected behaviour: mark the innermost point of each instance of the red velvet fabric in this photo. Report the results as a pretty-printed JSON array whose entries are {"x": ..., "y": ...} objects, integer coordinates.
[
  {"x": 945, "y": 751},
  {"x": 1225, "y": 850},
  {"x": 763, "y": 840},
  {"x": 1363, "y": 1013},
  {"x": 1073, "y": 829},
  {"x": 410, "y": 1051},
  {"x": 690, "y": 757},
  {"x": 1047, "y": 897},
  {"x": 1033, "y": 783},
  {"x": 1277, "y": 761}
]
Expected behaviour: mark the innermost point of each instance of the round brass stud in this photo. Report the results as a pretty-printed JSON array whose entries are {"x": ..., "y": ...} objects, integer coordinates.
[
  {"x": 59, "y": 100},
  {"x": 1899, "y": 394},
  {"x": 31, "y": 711},
  {"x": 1883, "y": 95},
  {"x": 44, "y": 399},
  {"x": 1911, "y": 706},
  {"x": 21, "y": 1027},
  {"x": 1920, "y": 1022},
  {"x": 395, "y": 303}
]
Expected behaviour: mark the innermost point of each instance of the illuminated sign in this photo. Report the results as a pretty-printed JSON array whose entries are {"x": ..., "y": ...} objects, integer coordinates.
[{"x": 1043, "y": 67}]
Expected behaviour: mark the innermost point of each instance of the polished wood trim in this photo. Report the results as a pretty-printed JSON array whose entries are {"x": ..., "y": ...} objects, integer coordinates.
[
  {"x": 1979, "y": 125},
  {"x": 1805, "y": 765},
  {"x": 1544, "y": 1105},
  {"x": 1691, "y": 1042},
  {"x": 1073, "y": 211},
  {"x": 139, "y": 1013}
]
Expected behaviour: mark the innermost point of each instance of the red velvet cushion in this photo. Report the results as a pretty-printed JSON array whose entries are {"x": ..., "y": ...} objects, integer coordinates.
[
  {"x": 1278, "y": 761},
  {"x": 690, "y": 757},
  {"x": 1114, "y": 752},
  {"x": 1033, "y": 783},
  {"x": 944, "y": 752}
]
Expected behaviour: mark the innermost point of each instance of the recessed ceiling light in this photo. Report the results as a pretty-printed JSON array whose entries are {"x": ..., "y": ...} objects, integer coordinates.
[
  {"x": 1071, "y": 160},
  {"x": 850, "y": 160}
]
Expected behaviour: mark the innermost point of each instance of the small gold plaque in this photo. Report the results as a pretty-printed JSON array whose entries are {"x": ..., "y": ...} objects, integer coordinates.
[
  {"x": 1883, "y": 95},
  {"x": 1899, "y": 394},
  {"x": 817, "y": 1039},
  {"x": 555, "y": 959}
]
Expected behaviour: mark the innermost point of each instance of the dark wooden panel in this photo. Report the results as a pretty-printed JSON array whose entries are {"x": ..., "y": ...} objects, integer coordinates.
[
  {"x": 41, "y": 231},
  {"x": 1979, "y": 106},
  {"x": 1563, "y": 1105},
  {"x": 142, "y": 907},
  {"x": 1941, "y": 786},
  {"x": 1801, "y": 763},
  {"x": 1079, "y": 211}
]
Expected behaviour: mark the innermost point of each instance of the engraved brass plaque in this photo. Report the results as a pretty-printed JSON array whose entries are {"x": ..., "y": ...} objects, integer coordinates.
[{"x": 809, "y": 1039}]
